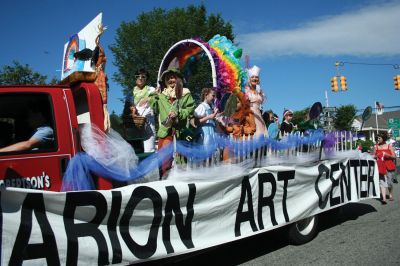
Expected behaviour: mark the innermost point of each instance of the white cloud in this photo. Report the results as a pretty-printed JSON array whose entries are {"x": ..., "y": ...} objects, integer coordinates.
[{"x": 372, "y": 31}]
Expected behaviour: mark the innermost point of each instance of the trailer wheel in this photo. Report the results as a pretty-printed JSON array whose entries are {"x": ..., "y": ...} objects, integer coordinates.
[{"x": 303, "y": 231}]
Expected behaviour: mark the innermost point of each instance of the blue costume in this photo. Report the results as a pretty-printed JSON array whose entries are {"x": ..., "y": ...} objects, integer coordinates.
[{"x": 207, "y": 129}]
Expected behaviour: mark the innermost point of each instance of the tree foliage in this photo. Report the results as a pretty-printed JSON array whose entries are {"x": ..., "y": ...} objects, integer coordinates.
[
  {"x": 116, "y": 123},
  {"x": 20, "y": 74},
  {"x": 300, "y": 116},
  {"x": 144, "y": 42},
  {"x": 344, "y": 117}
]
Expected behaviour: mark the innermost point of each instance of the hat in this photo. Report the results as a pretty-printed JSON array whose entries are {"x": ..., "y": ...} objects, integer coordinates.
[
  {"x": 286, "y": 112},
  {"x": 254, "y": 71},
  {"x": 173, "y": 67}
]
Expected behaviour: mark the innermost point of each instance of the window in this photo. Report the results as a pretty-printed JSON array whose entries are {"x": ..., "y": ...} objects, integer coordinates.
[{"x": 24, "y": 116}]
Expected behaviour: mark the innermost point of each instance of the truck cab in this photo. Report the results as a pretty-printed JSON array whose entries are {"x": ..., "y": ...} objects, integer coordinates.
[{"x": 66, "y": 108}]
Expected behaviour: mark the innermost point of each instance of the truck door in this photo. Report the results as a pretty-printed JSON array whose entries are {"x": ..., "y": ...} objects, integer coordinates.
[{"x": 33, "y": 112}]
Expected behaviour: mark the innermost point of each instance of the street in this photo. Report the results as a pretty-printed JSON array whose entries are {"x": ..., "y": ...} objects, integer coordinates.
[{"x": 364, "y": 233}]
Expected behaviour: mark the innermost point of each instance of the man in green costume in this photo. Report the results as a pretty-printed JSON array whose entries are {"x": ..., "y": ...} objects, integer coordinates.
[{"x": 174, "y": 105}]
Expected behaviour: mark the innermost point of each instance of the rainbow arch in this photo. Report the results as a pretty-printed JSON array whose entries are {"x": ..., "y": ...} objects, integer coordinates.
[{"x": 224, "y": 57}]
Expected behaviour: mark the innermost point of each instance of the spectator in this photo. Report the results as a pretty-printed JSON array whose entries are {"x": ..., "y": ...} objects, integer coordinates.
[{"x": 384, "y": 155}]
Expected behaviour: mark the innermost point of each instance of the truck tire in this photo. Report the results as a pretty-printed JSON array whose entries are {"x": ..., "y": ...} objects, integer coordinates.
[{"x": 303, "y": 231}]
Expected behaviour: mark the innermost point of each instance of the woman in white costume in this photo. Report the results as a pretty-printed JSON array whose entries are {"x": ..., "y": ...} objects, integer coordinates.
[{"x": 256, "y": 98}]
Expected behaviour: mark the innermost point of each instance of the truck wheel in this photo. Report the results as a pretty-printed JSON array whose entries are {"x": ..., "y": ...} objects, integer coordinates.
[{"x": 303, "y": 231}]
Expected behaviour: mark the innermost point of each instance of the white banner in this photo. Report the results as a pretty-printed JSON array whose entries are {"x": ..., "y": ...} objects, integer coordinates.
[{"x": 164, "y": 218}]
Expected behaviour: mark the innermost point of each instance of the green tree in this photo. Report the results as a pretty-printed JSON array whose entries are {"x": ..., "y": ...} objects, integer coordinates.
[
  {"x": 20, "y": 74},
  {"x": 116, "y": 123},
  {"x": 344, "y": 117},
  {"x": 300, "y": 116},
  {"x": 144, "y": 42}
]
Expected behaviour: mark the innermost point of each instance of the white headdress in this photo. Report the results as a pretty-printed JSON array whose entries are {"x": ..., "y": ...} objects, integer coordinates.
[{"x": 254, "y": 71}]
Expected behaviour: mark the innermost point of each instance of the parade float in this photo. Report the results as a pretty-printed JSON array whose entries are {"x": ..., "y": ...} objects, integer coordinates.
[{"x": 266, "y": 184}]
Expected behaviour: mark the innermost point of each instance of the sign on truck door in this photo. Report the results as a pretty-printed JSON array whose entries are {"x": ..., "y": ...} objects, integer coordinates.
[{"x": 37, "y": 113}]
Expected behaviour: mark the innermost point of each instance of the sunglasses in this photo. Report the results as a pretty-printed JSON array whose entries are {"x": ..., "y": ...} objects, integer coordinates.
[{"x": 140, "y": 76}]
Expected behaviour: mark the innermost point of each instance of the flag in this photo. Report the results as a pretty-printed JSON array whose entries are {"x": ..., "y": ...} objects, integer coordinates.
[{"x": 379, "y": 108}]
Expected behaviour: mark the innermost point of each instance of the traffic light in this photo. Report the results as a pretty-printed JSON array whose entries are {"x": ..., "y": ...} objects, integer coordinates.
[
  {"x": 343, "y": 83},
  {"x": 334, "y": 84},
  {"x": 396, "y": 82}
]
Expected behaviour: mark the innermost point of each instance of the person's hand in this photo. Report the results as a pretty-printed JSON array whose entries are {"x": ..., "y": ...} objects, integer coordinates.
[
  {"x": 172, "y": 114},
  {"x": 133, "y": 110},
  {"x": 143, "y": 101},
  {"x": 214, "y": 114},
  {"x": 158, "y": 89}
]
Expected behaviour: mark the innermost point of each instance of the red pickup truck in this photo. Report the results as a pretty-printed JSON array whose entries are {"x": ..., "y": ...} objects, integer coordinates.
[{"x": 68, "y": 107}]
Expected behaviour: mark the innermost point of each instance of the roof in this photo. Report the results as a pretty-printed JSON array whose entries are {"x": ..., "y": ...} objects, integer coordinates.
[{"x": 382, "y": 119}]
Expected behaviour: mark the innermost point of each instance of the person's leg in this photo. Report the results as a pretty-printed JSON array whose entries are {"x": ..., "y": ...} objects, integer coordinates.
[
  {"x": 383, "y": 188},
  {"x": 390, "y": 175},
  {"x": 149, "y": 143},
  {"x": 383, "y": 194}
]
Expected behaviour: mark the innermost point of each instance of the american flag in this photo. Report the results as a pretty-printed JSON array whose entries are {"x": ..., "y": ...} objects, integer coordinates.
[
  {"x": 378, "y": 105},
  {"x": 379, "y": 108}
]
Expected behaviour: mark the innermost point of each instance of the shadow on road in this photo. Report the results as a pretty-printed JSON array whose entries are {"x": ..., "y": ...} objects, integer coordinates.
[
  {"x": 350, "y": 211},
  {"x": 240, "y": 251}
]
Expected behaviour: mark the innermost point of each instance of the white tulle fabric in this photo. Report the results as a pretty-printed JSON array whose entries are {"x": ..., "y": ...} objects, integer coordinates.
[{"x": 110, "y": 149}]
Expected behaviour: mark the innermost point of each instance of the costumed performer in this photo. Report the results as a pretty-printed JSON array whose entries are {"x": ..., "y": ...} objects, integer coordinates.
[
  {"x": 256, "y": 98},
  {"x": 270, "y": 117},
  {"x": 174, "y": 105},
  {"x": 287, "y": 126},
  {"x": 101, "y": 77},
  {"x": 241, "y": 123},
  {"x": 141, "y": 93},
  {"x": 206, "y": 113}
]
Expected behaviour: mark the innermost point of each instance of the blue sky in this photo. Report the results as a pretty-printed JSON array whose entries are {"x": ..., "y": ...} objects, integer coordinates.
[{"x": 295, "y": 43}]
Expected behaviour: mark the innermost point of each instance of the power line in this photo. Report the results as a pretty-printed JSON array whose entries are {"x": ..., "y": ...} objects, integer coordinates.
[{"x": 341, "y": 63}]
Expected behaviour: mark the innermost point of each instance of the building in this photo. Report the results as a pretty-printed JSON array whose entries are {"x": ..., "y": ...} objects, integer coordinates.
[{"x": 378, "y": 123}]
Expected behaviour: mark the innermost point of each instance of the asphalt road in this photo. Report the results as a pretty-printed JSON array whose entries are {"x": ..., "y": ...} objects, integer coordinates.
[{"x": 364, "y": 233}]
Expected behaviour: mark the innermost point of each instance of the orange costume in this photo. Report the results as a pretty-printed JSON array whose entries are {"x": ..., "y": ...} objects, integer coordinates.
[
  {"x": 243, "y": 119},
  {"x": 242, "y": 123}
]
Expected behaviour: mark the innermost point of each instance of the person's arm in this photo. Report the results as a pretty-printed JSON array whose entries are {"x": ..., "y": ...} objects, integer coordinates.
[
  {"x": 187, "y": 107},
  {"x": 153, "y": 101},
  {"x": 201, "y": 114},
  {"x": 22, "y": 146},
  {"x": 283, "y": 127},
  {"x": 208, "y": 117}
]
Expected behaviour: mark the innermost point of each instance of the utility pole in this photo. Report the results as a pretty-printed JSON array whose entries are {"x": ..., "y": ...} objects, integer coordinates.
[{"x": 247, "y": 61}]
